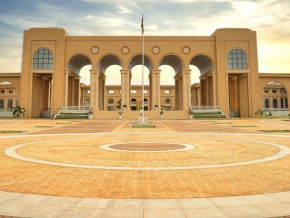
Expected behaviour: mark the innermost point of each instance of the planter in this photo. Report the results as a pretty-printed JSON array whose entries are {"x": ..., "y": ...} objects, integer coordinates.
[
  {"x": 156, "y": 108},
  {"x": 120, "y": 117},
  {"x": 190, "y": 117},
  {"x": 161, "y": 117}
]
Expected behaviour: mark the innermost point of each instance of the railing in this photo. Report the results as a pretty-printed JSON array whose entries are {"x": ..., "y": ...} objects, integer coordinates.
[
  {"x": 76, "y": 108},
  {"x": 202, "y": 108},
  {"x": 276, "y": 109},
  {"x": 6, "y": 110}
]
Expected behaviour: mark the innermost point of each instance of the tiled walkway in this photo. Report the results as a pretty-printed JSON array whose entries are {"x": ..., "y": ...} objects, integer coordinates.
[{"x": 59, "y": 169}]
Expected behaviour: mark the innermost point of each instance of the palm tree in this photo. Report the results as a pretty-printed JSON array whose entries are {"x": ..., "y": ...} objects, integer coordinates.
[{"x": 17, "y": 111}]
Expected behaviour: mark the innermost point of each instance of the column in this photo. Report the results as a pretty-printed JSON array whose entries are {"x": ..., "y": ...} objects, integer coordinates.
[
  {"x": 125, "y": 88},
  {"x": 198, "y": 97},
  {"x": 214, "y": 87},
  {"x": 185, "y": 89},
  {"x": 94, "y": 94},
  {"x": 66, "y": 75},
  {"x": 73, "y": 92},
  {"x": 176, "y": 93},
  {"x": 155, "y": 88}
]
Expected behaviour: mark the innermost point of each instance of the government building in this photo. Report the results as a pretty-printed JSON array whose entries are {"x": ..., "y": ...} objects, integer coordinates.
[{"x": 50, "y": 78}]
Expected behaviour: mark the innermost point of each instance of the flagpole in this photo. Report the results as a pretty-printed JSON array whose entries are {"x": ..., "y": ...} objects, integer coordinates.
[{"x": 142, "y": 70}]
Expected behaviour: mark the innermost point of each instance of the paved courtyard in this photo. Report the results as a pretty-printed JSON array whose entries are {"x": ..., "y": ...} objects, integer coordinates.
[{"x": 193, "y": 168}]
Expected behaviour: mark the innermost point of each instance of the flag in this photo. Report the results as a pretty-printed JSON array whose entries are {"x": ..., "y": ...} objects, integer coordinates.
[{"x": 142, "y": 26}]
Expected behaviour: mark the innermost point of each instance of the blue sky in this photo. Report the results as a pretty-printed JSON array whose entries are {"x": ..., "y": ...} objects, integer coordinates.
[{"x": 270, "y": 18}]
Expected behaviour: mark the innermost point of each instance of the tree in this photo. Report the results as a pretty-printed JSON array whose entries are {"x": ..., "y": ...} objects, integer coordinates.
[{"x": 17, "y": 111}]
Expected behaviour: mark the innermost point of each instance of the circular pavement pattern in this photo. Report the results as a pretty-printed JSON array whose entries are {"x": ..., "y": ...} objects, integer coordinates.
[{"x": 146, "y": 165}]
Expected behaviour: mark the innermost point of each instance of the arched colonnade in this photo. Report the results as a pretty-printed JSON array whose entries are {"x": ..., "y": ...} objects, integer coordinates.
[{"x": 97, "y": 77}]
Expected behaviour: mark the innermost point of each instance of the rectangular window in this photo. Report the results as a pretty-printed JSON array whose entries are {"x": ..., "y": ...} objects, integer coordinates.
[
  {"x": 88, "y": 91},
  {"x": 282, "y": 102},
  {"x": 111, "y": 91},
  {"x": 2, "y": 91},
  {"x": 166, "y": 91},
  {"x": 286, "y": 102},
  {"x": 145, "y": 91},
  {"x": 134, "y": 91},
  {"x": 274, "y": 91},
  {"x": 10, "y": 91}
]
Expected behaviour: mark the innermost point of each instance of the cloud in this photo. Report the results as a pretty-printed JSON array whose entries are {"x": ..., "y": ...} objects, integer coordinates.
[{"x": 164, "y": 17}]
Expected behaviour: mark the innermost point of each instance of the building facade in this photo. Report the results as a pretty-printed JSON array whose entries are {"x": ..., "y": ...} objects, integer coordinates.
[{"x": 227, "y": 61}]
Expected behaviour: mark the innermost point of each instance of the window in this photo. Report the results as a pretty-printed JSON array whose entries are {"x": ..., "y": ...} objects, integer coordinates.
[
  {"x": 88, "y": 91},
  {"x": 266, "y": 91},
  {"x": 267, "y": 103},
  {"x": 282, "y": 91},
  {"x": 10, "y": 103},
  {"x": 10, "y": 91},
  {"x": 274, "y": 91},
  {"x": 167, "y": 101},
  {"x": 133, "y": 101},
  {"x": 2, "y": 91},
  {"x": 275, "y": 103},
  {"x": 134, "y": 91},
  {"x": 166, "y": 91},
  {"x": 111, "y": 91},
  {"x": 43, "y": 59},
  {"x": 237, "y": 59},
  {"x": 2, "y": 103},
  {"x": 286, "y": 102},
  {"x": 145, "y": 91},
  {"x": 88, "y": 101},
  {"x": 145, "y": 101},
  {"x": 282, "y": 102},
  {"x": 111, "y": 101}
]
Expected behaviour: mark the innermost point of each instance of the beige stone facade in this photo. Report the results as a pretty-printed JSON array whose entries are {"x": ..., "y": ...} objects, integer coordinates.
[{"x": 227, "y": 60}]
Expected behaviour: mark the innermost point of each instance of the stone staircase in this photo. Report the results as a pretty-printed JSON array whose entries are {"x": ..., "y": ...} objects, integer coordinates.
[
  {"x": 73, "y": 112},
  {"x": 207, "y": 112},
  {"x": 134, "y": 115}
]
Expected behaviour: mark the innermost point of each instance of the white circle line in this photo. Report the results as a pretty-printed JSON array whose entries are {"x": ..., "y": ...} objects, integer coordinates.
[{"x": 11, "y": 152}]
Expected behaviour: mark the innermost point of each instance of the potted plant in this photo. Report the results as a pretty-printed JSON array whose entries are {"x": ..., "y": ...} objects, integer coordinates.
[
  {"x": 125, "y": 107},
  {"x": 17, "y": 111},
  {"x": 190, "y": 114},
  {"x": 161, "y": 114},
  {"x": 91, "y": 114},
  {"x": 120, "y": 114},
  {"x": 156, "y": 107}
]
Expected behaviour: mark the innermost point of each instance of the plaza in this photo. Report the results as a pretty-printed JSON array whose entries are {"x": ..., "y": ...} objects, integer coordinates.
[{"x": 181, "y": 168}]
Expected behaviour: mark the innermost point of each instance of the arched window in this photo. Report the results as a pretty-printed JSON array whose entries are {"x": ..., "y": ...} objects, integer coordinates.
[
  {"x": 267, "y": 103},
  {"x": 275, "y": 103},
  {"x": 88, "y": 101},
  {"x": 133, "y": 101},
  {"x": 43, "y": 59},
  {"x": 2, "y": 103},
  {"x": 167, "y": 101},
  {"x": 111, "y": 101},
  {"x": 237, "y": 59},
  {"x": 145, "y": 101},
  {"x": 10, "y": 103}
]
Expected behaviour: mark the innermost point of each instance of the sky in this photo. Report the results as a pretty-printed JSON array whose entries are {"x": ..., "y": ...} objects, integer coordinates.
[{"x": 270, "y": 18}]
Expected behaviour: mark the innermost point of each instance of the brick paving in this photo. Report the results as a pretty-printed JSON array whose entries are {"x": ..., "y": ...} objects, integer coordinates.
[{"x": 78, "y": 142}]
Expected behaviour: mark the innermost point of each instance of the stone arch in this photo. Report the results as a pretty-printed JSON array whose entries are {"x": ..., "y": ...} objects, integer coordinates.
[
  {"x": 276, "y": 92},
  {"x": 237, "y": 58},
  {"x": 173, "y": 60},
  {"x": 203, "y": 62},
  {"x": 275, "y": 81},
  {"x": 137, "y": 60},
  {"x": 108, "y": 60},
  {"x": 77, "y": 62}
]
